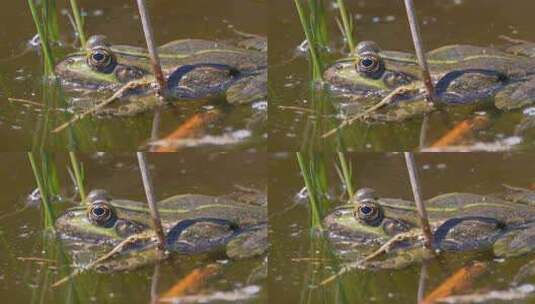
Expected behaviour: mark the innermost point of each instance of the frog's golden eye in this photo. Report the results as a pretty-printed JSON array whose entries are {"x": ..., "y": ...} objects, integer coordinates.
[
  {"x": 370, "y": 213},
  {"x": 370, "y": 65},
  {"x": 100, "y": 213},
  {"x": 101, "y": 59}
]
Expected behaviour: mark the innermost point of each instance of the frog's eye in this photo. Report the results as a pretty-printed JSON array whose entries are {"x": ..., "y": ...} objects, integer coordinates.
[
  {"x": 101, "y": 59},
  {"x": 370, "y": 65},
  {"x": 369, "y": 213},
  {"x": 101, "y": 214}
]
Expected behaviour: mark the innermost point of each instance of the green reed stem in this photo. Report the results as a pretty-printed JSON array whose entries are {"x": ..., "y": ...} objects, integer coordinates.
[
  {"x": 312, "y": 193},
  {"x": 346, "y": 174},
  {"x": 45, "y": 195},
  {"x": 51, "y": 17},
  {"x": 78, "y": 174},
  {"x": 43, "y": 37},
  {"x": 79, "y": 22},
  {"x": 347, "y": 25},
  {"x": 312, "y": 45}
]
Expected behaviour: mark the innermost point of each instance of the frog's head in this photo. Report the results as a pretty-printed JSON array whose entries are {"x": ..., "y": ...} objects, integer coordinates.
[
  {"x": 98, "y": 221},
  {"x": 100, "y": 66},
  {"x": 372, "y": 72},
  {"x": 367, "y": 219}
]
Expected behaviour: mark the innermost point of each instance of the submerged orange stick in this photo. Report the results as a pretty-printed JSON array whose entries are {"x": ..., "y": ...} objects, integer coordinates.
[
  {"x": 192, "y": 281},
  {"x": 461, "y": 131},
  {"x": 193, "y": 125},
  {"x": 460, "y": 280}
]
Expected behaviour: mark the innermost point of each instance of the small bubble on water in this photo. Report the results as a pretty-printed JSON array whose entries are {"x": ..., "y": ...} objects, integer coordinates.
[
  {"x": 261, "y": 105},
  {"x": 242, "y": 134},
  {"x": 252, "y": 289},
  {"x": 530, "y": 112},
  {"x": 512, "y": 140}
]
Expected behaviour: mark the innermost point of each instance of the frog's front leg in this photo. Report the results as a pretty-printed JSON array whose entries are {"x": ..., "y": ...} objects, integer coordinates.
[
  {"x": 248, "y": 89},
  {"x": 250, "y": 243},
  {"x": 516, "y": 243},
  {"x": 516, "y": 95}
]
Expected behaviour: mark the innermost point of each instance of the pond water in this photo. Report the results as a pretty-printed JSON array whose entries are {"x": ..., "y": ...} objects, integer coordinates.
[
  {"x": 22, "y": 234},
  {"x": 225, "y": 148},
  {"x": 26, "y": 126},
  {"x": 300, "y": 115}
]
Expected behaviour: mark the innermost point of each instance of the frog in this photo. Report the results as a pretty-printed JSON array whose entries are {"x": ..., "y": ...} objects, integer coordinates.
[
  {"x": 460, "y": 222},
  {"x": 461, "y": 74},
  {"x": 194, "y": 69},
  {"x": 193, "y": 224}
]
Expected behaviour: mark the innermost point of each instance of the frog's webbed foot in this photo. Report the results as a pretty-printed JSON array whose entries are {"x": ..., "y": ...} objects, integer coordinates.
[
  {"x": 132, "y": 107},
  {"x": 516, "y": 96},
  {"x": 525, "y": 272},
  {"x": 248, "y": 244},
  {"x": 252, "y": 41},
  {"x": 401, "y": 258},
  {"x": 248, "y": 90},
  {"x": 515, "y": 243},
  {"x": 519, "y": 47},
  {"x": 519, "y": 195}
]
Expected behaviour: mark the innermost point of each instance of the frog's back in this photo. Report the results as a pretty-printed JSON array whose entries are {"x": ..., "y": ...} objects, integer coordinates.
[
  {"x": 469, "y": 204},
  {"x": 190, "y": 46},
  {"x": 204, "y": 206}
]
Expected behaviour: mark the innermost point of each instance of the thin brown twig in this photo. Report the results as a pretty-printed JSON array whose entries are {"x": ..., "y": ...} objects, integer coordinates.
[
  {"x": 294, "y": 108},
  {"x": 417, "y": 193},
  {"x": 26, "y": 101},
  {"x": 151, "y": 46},
  {"x": 151, "y": 198},
  {"x": 418, "y": 45},
  {"x": 36, "y": 259}
]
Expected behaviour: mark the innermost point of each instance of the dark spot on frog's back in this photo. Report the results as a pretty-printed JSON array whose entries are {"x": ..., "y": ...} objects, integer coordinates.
[{"x": 201, "y": 80}]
